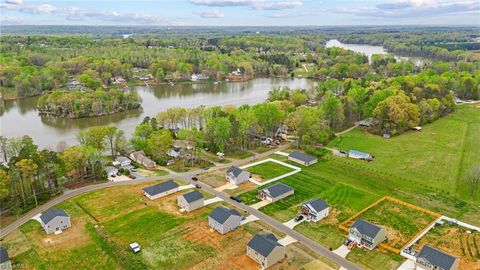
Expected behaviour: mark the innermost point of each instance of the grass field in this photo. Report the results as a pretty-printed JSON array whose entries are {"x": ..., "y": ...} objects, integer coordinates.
[{"x": 268, "y": 170}]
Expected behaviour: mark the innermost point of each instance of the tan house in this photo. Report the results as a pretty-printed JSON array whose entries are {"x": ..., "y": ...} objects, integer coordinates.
[
  {"x": 265, "y": 250},
  {"x": 275, "y": 192},
  {"x": 224, "y": 220},
  {"x": 140, "y": 157},
  {"x": 431, "y": 258},
  {"x": 191, "y": 201},
  {"x": 367, "y": 234}
]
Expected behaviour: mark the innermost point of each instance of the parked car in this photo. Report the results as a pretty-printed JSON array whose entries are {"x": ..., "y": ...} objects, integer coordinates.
[
  {"x": 343, "y": 152},
  {"x": 235, "y": 199},
  {"x": 194, "y": 178},
  {"x": 347, "y": 242},
  {"x": 135, "y": 247},
  {"x": 198, "y": 186},
  {"x": 298, "y": 218}
]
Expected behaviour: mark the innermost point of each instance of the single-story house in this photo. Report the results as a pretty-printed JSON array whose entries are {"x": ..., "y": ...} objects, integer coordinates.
[
  {"x": 358, "y": 155},
  {"x": 140, "y": 157},
  {"x": 191, "y": 201},
  {"x": 431, "y": 258},
  {"x": 197, "y": 77},
  {"x": 236, "y": 175},
  {"x": 224, "y": 220},
  {"x": 111, "y": 171},
  {"x": 55, "y": 220},
  {"x": 315, "y": 210},
  {"x": 265, "y": 250},
  {"x": 367, "y": 234},
  {"x": 122, "y": 161},
  {"x": 5, "y": 263},
  {"x": 174, "y": 152},
  {"x": 275, "y": 192},
  {"x": 302, "y": 158},
  {"x": 160, "y": 190}
]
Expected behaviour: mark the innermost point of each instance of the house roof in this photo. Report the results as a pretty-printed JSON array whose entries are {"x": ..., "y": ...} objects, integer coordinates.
[
  {"x": 317, "y": 204},
  {"x": 111, "y": 169},
  {"x": 122, "y": 159},
  {"x": 277, "y": 189},
  {"x": 358, "y": 153},
  {"x": 192, "y": 196},
  {"x": 50, "y": 214},
  {"x": 436, "y": 257},
  {"x": 161, "y": 187},
  {"x": 235, "y": 171},
  {"x": 3, "y": 255},
  {"x": 302, "y": 156},
  {"x": 366, "y": 228},
  {"x": 264, "y": 243},
  {"x": 221, "y": 214}
]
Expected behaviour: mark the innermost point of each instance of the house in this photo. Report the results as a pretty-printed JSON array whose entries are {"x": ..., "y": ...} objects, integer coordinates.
[
  {"x": 54, "y": 220},
  {"x": 111, "y": 171},
  {"x": 431, "y": 258},
  {"x": 119, "y": 80},
  {"x": 236, "y": 175},
  {"x": 160, "y": 190},
  {"x": 122, "y": 161},
  {"x": 237, "y": 72},
  {"x": 191, "y": 201},
  {"x": 224, "y": 220},
  {"x": 74, "y": 84},
  {"x": 315, "y": 210},
  {"x": 275, "y": 192},
  {"x": 5, "y": 263},
  {"x": 140, "y": 157},
  {"x": 174, "y": 152},
  {"x": 358, "y": 155},
  {"x": 265, "y": 250},
  {"x": 302, "y": 158},
  {"x": 367, "y": 234},
  {"x": 197, "y": 77}
]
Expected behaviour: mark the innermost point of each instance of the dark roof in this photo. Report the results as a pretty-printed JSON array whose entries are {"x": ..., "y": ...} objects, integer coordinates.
[
  {"x": 221, "y": 214},
  {"x": 302, "y": 156},
  {"x": 366, "y": 228},
  {"x": 159, "y": 188},
  {"x": 278, "y": 189},
  {"x": 235, "y": 171},
  {"x": 436, "y": 257},
  {"x": 264, "y": 243},
  {"x": 3, "y": 255},
  {"x": 50, "y": 214},
  {"x": 317, "y": 204},
  {"x": 192, "y": 196}
]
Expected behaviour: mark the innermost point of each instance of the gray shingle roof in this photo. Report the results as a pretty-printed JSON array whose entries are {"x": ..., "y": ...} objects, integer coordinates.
[
  {"x": 436, "y": 257},
  {"x": 50, "y": 214},
  {"x": 161, "y": 187},
  {"x": 302, "y": 156},
  {"x": 278, "y": 189},
  {"x": 235, "y": 171},
  {"x": 317, "y": 204},
  {"x": 122, "y": 159},
  {"x": 3, "y": 255},
  {"x": 192, "y": 196},
  {"x": 264, "y": 243},
  {"x": 221, "y": 214},
  {"x": 366, "y": 228}
]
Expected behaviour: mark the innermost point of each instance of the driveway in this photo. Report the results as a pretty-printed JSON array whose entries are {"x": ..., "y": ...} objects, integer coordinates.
[
  {"x": 407, "y": 265},
  {"x": 119, "y": 178},
  {"x": 287, "y": 240},
  {"x": 260, "y": 204},
  {"x": 342, "y": 251},
  {"x": 212, "y": 200},
  {"x": 249, "y": 219},
  {"x": 226, "y": 186},
  {"x": 185, "y": 187},
  {"x": 292, "y": 223}
]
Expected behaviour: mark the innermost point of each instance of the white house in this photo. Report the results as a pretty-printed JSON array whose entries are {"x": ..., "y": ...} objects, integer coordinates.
[
  {"x": 236, "y": 175},
  {"x": 55, "y": 220},
  {"x": 160, "y": 190},
  {"x": 265, "y": 250},
  {"x": 224, "y": 220},
  {"x": 122, "y": 161},
  {"x": 431, "y": 258},
  {"x": 302, "y": 158},
  {"x": 367, "y": 234},
  {"x": 315, "y": 210}
]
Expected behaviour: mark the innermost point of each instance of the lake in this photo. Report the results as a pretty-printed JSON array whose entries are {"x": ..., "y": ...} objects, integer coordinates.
[{"x": 20, "y": 117}]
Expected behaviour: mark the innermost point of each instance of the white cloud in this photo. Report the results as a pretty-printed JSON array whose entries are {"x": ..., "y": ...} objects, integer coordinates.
[
  {"x": 287, "y": 14},
  {"x": 209, "y": 14},
  {"x": 254, "y": 4},
  {"x": 9, "y": 20}
]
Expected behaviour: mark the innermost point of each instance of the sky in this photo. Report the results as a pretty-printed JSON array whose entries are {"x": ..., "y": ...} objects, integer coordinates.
[{"x": 240, "y": 12}]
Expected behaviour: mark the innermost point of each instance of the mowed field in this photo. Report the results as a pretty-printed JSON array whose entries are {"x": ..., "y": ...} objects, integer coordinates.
[
  {"x": 106, "y": 221},
  {"x": 268, "y": 170}
]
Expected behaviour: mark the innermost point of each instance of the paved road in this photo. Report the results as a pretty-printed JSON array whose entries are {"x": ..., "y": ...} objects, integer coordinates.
[{"x": 314, "y": 246}]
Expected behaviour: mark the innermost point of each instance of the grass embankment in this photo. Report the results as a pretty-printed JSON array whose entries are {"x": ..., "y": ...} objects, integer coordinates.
[{"x": 268, "y": 170}]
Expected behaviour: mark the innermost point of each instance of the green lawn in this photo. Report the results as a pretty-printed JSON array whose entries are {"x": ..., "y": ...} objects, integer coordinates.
[{"x": 268, "y": 170}]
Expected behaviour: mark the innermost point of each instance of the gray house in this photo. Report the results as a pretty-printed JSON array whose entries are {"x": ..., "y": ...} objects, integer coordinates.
[
  {"x": 275, "y": 192},
  {"x": 236, "y": 175},
  {"x": 160, "y": 190},
  {"x": 140, "y": 157},
  {"x": 55, "y": 220},
  {"x": 190, "y": 201},
  {"x": 122, "y": 161},
  {"x": 315, "y": 210},
  {"x": 367, "y": 234},
  {"x": 265, "y": 250},
  {"x": 431, "y": 258},
  {"x": 5, "y": 263},
  {"x": 224, "y": 220},
  {"x": 112, "y": 171},
  {"x": 302, "y": 158}
]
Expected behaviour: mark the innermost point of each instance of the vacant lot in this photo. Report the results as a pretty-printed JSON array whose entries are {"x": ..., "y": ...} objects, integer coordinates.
[
  {"x": 268, "y": 170},
  {"x": 457, "y": 241}
]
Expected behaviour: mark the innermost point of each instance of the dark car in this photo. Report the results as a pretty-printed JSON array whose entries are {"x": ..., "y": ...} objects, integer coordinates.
[
  {"x": 347, "y": 242},
  {"x": 343, "y": 152},
  {"x": 206, "y": 168},
  {"x": 235, "y": 199},
  {"x": 299, "y": 218},
  {"x": 194, "y": 178},
  {"x": 198, "y": 186}
]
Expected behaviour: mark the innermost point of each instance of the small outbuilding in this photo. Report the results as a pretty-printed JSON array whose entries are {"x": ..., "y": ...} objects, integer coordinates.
[
  {"x": 122, "y": 161},
  {"x": 140, "y": 157},
  {"x": 112, "y": 171},
  {"x": 275, "y": 192},
  {"x": 265, "y": 250},
  {"x": 191, "y": 201},
  {"x": 367, "y": 234},
  {"x": 55, "y": 220},
  {"x": 431, "y": 258},
  {"x": 315, "y": 210},
  {"x": 236, "y": 175},
  {"x": 160, "y": 190},
  {"x": 302, "y": 158},
  {"x": 224, "y": 220},
  {"x": 5, "y": 263},
  {"x": 358, "y": 155}
]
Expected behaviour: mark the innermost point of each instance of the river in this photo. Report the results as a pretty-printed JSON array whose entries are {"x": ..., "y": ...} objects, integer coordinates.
[{"x": 20, "y": 117}]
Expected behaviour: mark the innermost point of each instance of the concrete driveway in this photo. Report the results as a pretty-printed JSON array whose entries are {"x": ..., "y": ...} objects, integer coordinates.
[
  {"x": 292, "y": 223},
  {"x": 260, "y": 204},
  {"x": 249, "y": 219},
  {"x": 342, "y": 251},
  {"x": 407, "y": 265},
  {"x": 119, "y": 178},
  {"x": 287, "y": 240},
  {"x": 226, "y": 186},
  {"x": 212, "y": 200},
  {"x": 185, "y": 187}
]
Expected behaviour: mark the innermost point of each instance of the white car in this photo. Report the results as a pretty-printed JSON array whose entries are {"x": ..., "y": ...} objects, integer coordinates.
[{"x": 135, "y": 247}]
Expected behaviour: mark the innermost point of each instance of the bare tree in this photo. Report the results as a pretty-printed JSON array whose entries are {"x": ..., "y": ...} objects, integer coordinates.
[{"x": 474, "y": 180}]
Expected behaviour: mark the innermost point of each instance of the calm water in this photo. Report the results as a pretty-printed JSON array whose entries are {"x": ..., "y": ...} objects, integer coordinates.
[{"x": 20, "y": 117}]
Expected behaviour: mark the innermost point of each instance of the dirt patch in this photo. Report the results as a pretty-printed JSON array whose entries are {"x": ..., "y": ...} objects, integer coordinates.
[
  {"x": 200, "y": 232},
  {"x": 332, "y": 217},
  {"x": 70, "y": 238},
  {"x": 17, "y": 243},
  {"x": 243, "y": 262},
  {"x": 167, "y": 204}
]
